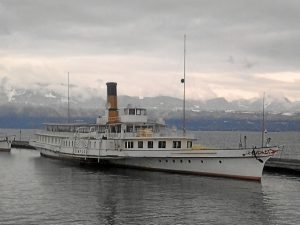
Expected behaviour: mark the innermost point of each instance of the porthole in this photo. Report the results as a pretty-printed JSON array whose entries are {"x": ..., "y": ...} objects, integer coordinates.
[
  {"x": 181, "y": 160},
  {"x": 189, "y": 161},
  {"x": 166, "y": 160},
  {"x": 173, "y": 160},
  {"x": 159, "y": 160},
  {"x": 201, "y": 161},
  {"x": 220, "y": 161}
]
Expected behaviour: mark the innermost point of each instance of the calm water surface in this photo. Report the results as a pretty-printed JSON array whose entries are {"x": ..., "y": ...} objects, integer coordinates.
[{"x": 37, "y": 190}]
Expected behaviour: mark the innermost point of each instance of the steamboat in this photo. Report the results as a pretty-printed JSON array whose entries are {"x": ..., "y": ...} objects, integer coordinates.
[{"x": 128, "y": 138}]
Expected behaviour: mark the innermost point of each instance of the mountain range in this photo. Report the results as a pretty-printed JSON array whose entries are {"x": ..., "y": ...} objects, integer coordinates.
[
  {"x": 23, "y": 100},
  {"x": 25, "y": 108}
]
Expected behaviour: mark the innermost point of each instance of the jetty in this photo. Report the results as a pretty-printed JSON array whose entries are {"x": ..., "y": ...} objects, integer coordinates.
[
  {"x": 283, "y": 165},
  {"x": 21, "y": 144}
]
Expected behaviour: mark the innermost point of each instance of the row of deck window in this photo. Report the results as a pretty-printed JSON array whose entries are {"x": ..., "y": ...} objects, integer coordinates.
[
  {"x": 66, "y": 143},
  {"x": 127, "y": 144},
  {"x": 52, "y": 140},
  {"x": 150, "y": 144},
  {"x": 181, "y": 161}
]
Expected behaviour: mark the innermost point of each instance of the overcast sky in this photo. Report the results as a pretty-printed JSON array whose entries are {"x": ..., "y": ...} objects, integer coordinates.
[{"x": 235, "y": 49}]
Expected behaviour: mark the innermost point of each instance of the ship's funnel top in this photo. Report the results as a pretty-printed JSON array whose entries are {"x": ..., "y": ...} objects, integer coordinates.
[
  {"x": 111, "y": 88},
  {"x": 112, "y": 102}
]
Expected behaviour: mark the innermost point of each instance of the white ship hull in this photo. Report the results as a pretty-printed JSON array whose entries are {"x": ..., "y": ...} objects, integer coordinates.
[
  {"x": 244, "y": 168},
  {"x": 239, "y": 163}
]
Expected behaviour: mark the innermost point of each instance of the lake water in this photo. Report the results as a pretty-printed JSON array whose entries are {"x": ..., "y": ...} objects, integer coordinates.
[{"x": 37, "y": 190}]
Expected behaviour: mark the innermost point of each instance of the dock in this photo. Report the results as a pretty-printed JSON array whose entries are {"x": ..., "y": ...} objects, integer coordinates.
[
  {"x": 283, "y": 165},
  {"x": 21, "y": 144}
]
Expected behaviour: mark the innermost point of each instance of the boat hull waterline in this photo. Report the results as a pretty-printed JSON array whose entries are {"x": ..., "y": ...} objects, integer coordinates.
[{"x": 245, "y": 164}]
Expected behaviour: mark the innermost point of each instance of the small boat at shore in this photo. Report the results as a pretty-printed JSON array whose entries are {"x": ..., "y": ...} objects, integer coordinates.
[
  {"x": 5, "y": 143},
  {"x": 128, "y": 138}
]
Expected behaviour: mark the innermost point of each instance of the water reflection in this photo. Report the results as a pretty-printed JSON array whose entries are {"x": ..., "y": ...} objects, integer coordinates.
[
  {"x": 168, "y": 198},
  {"x": 47, "y": 191},
  {"x": 281, "y": 197},
  {"x": 125, "y": 196}
]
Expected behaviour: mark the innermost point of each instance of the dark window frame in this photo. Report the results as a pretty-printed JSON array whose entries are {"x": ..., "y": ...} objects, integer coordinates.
[
  {"x": 176, "y": 144},
  {"x": 140, "y": 144},
  {"x": 150, "y": 144},
  {"x": 162, "y": 144}
]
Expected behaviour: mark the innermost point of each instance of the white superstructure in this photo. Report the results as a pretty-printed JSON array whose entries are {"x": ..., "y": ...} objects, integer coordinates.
[{"x": 131, "y": 140}]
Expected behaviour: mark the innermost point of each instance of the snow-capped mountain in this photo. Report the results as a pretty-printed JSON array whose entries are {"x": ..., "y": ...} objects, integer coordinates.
[{"x": 51, "y": 99}]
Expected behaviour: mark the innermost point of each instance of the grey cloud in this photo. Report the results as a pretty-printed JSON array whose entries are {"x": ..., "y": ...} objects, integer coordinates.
[
  {"x": 42, "y": 85},
  {"x": 128, "y": 26},
  {"x": 70, "y": 85},
  {"x": 3, "y": 81},
  {"x": 231, "y": 60},
  {"x": 248, "y": 64},
  {"x": 223, "y": 36}
]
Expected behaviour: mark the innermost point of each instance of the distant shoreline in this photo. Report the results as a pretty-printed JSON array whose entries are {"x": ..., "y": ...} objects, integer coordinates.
[{"x": 193, "y": 124}]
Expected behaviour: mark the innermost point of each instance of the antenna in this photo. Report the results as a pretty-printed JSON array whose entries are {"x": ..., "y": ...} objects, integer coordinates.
[
  {"x": 183, "y": 81},
  {"x": 263, "y": 122},
  {"x": 68, "y": 98}
]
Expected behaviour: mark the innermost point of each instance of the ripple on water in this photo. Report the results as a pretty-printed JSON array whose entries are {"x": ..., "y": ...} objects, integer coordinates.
[{"x": 36, "y": 190}]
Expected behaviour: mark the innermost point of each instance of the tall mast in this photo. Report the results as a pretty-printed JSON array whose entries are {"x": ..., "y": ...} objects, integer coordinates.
[
  {"x": 68, "y": 98},
  {"x": 184, "y": 50},
  {"x": 263, "y": 122}
]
